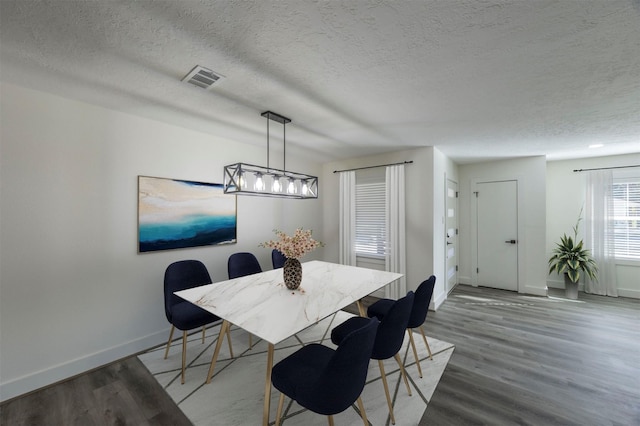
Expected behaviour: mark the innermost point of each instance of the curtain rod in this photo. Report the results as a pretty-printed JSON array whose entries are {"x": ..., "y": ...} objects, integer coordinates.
[
  {"x": 372, "y": 167},
  {"x": 605, "y": 168}
]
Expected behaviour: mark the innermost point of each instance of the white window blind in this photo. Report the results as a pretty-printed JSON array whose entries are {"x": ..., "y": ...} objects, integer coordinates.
[
  {"x": 370, "y": 218},
  {"x": 626, "y": 216}
]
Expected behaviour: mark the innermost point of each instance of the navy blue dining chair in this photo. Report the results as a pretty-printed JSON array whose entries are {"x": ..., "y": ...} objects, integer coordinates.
[
  {"x": 388, "y": 339},
  {"x": 324, "y": 380},
  {"x": 419, "y": 311},
  {"x": 242, "y": 264},
  {"x": 277, "y": 259},
  {"x": 181, "y": 314}
]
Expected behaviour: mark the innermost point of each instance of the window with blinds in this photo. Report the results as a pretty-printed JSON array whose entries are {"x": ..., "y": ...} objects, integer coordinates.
[
  {"x": 370, "y": 217},
  {"x": 626, "y": 205}
]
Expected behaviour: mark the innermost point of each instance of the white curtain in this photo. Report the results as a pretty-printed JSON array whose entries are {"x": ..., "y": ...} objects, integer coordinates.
[
  {"x": 347, "y": 218},
  {"x": 395, "y": 259},
  {"x": 599, "y": 232}
]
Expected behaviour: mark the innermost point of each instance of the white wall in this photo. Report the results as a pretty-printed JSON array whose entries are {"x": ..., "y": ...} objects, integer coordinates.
[
  {"x": 566, "y": 191},
  {"x": 530, "y": 174},
  {"x": 425, "y": 182},
  {"x": 74, "y": 292}
]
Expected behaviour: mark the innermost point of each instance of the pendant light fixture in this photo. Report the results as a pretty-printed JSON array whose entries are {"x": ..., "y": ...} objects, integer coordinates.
[{"x": 249, "y": 179}]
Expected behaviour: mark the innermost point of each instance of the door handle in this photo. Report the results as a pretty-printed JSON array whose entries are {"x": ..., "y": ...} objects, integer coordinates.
[
  {"x": 511, "y": 241},
  {"x": 448, "y": 243}
]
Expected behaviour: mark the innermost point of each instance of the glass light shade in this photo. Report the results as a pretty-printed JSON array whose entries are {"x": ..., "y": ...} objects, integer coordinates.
[
  {"x": 259, "y": 185},
  {"x": 243, "y": 180},
  {"x": 291, "y": 188},
  {"x": 276, "y": 186}
]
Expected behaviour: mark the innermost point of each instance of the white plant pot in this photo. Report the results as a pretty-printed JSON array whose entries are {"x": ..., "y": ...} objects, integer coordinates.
[{"x": 570, "y": 288}]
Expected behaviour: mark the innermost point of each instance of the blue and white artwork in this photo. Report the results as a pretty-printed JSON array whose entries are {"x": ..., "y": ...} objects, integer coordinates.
[{"x": 176, "y": 214}]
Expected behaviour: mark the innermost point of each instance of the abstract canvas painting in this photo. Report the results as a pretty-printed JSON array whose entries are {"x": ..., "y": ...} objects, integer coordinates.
[{"x": 176, "y": 214}]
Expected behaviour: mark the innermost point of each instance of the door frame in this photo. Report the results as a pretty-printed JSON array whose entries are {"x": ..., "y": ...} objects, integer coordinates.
[
  {"x": 474, "y": 226},
  {"x": 457, "y": 247}
]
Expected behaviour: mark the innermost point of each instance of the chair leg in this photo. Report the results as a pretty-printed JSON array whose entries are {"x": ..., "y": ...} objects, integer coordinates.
[
  {"x": 362, "y": 412},
  {"x": 426, "y": 343},
  {"x": 204, "y": 329},
  {"x": 166, "y": 352},
  {"x": 386, "y": 391},
  {"x": 404, "y": 373},
  {"x": 415, "y": 352},
  {"x": 279, "y": 411},
  {"x": 250, "y": 342},
  {"x": 184, "y": 354},
  {"x": 330, "y": 420}
]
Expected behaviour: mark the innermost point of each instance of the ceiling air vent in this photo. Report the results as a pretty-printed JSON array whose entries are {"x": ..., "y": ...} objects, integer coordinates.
[{"x": 202, "y": 77}]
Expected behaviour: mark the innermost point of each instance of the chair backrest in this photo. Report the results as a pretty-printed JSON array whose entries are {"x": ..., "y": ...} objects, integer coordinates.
[
  {"x": 392, "y": 328},
  {"x": 241, "y": 264},
  {"x": 344, "y": 377},
  {"x": 421, "y": 302},
  {"x": 277, "y": 259},
  {"x": 182, "y": 275}
]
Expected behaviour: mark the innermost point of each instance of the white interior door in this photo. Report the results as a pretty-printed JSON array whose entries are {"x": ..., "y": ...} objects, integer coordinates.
[
  {"x": 452, "y": 235},
  {"x": 497, "y": 228}
]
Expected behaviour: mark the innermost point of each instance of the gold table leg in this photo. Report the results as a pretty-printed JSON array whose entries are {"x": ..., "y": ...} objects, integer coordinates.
[
  {"x": 363, "y": 313},
  {"x": 267, "y": 388},
  {"x": 223, "y": 329}
]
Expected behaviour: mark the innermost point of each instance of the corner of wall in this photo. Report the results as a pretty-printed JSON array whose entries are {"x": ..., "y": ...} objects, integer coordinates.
[
  {"x": 437, "y": 301},
  {"x": 60, "y": 372},
  {"x": 634, "y": 294},
  {"x": 536, "y": 291}
]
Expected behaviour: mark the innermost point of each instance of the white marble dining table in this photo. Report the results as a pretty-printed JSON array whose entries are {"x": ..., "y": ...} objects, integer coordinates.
[{"x": 262, "y": 305}]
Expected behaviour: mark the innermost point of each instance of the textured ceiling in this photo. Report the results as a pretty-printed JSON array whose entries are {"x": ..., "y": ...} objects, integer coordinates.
[{"x": 477, "y": 79}]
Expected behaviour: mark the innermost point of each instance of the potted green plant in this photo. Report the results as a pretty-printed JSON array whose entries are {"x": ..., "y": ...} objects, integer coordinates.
[{"x": 570, "y": 258}]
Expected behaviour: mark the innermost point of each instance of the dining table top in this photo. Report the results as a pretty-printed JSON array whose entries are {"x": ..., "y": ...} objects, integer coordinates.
[{"x": 262, "y": 305}]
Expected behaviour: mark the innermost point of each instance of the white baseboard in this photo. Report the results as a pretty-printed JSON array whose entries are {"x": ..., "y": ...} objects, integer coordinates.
[
  {"x": 464, "y": 280},
  {"x": 555, "y": 284},
  {"x": 622, "y": 292},
  {"x": 536, "y": 291},
  {"x": 634, "y": 294},
  {"x": 437, "y": 301},
  {"x": 39, "y": 379}
]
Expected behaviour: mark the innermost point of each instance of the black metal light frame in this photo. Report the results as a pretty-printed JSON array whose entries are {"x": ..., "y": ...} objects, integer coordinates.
[{"x": 251, "y": 179}]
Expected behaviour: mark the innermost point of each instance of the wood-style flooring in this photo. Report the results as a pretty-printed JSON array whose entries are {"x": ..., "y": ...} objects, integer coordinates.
[
  {"x": 519, "y": 360},
  {"x": 122, "y": 393},
  {"x": 522, "y": 360}
]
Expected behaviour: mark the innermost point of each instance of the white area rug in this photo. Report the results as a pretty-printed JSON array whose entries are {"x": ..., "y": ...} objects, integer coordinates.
[{"x": 236, "y": 392}]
